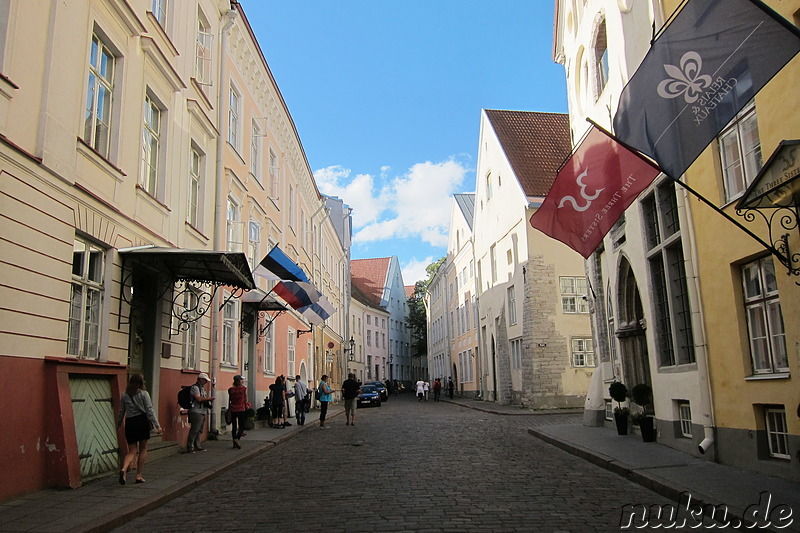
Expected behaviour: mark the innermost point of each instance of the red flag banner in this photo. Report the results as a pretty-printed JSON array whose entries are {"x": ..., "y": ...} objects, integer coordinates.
[{"x": 598, "y": 182}]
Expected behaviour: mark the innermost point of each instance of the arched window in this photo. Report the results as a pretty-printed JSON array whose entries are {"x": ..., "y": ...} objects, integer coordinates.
[{"x": 600, "y": 58}]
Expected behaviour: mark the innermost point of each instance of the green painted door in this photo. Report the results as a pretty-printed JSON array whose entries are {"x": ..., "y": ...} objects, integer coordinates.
[{"x": 95, "y": 428}]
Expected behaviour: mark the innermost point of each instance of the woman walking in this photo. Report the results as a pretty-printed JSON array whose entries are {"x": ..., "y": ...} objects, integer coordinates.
[
  {"x": 136, "y": 410},
  {"x": 277, "y": 395},
  {"x": 237, "y": 405}
]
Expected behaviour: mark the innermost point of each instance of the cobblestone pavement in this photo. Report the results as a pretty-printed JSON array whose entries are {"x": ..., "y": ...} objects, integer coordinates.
[{"x": 408, "y": 466}]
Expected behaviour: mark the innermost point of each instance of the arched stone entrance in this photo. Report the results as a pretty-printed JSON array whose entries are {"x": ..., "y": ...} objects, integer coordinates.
[{"x": 631, "y": 329}]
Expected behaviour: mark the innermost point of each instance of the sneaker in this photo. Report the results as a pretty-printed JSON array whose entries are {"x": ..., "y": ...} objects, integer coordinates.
[
  {"x": 189, "y": 450},
  {"x": 199, "y": 449},
  {"x": 286, "y": 424},
  {"x": 323, "y": 427}
]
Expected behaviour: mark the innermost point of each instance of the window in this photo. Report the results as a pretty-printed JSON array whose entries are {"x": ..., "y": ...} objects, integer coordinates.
[
  {"x": 230, "y": 321},
  {"x": 674, "y": 335},
  {"x": 369, "y": 337},
  {"x": 202, "y": 64},
  {"x": 151, "y": 131},
  {"x": 97, "y": 121},
  {"x": 234, "y": 111},
  {"x": 600, "y": 59},
  {"x": 255, "y": 152},
  {"x": 159, "y": 9},
  {"x": 196, "y": 162},
  {"x": 269, "y": 350},
  {"x": 740, "y": 152},
  {"x": 512, "y": 305},
  {"x": 274, "y": 172},
  {"x": 777, "y": 433},
  {"x": 291, "y": 211},
  {"x": 764, "y": 318},
  {"x": 234, "y": 226},
  {"x": 190, "y": 348},
  {"x": 573, "y": 294},
  {"x": 516, "y": 353},
  {"x": 369, "y": 320},
  {"x": 254, "y": 244},
  {"x": 493, "y": 258},
  {"x": 488, "y": 185},
  {"x": 582, "y": 352},
  {"x": 609, "y": 411},
  {"x": 685, "y": 417},
  {"x": 86, "y": 300},
  {"x": 290, "y": 355}
]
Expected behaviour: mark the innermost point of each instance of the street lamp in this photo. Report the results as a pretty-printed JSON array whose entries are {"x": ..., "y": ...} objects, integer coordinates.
[{"x": 352, "y": 350}]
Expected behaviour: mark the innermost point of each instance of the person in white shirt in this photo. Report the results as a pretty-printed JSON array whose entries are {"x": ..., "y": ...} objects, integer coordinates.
[
  {"x": 420, "y": 390},
  {"x": 426, "y": 387}
]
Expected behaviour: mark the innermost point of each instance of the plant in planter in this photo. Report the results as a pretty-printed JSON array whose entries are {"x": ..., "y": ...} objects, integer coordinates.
[
  {"x": 619, "y": 393},
  {"x": 250, "y": 414},
  {"x": 642, "y": 395}
]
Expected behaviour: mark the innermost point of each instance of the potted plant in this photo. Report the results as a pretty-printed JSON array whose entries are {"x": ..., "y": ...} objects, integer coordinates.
[
  {"x": 619, "y": 393},
  {"x": 642, "y": 395},
  {"x": 250, "y": 414}
]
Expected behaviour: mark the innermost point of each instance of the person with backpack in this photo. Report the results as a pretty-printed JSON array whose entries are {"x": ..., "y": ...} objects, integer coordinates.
[
  {"x": 197, "y": 412},
  {"x": 237, "y": 406},
  {"x": 136, "y": 409},
  {"x": 325, "y": 397}
]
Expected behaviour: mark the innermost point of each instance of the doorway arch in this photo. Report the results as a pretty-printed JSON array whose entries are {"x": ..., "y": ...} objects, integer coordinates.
[{"x": 631, "y": 329}]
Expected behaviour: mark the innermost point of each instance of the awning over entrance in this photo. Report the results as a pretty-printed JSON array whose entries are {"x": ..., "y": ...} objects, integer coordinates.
[{"x": 202, "y": 266}]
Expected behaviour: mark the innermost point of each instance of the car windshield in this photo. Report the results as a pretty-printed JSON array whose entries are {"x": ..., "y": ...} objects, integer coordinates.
[
  {"x": 367, "y": 389},
  {"x": 377, "y": 385}
]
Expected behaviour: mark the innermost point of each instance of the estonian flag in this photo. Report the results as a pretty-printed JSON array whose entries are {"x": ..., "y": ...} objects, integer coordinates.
[
  {"x": 277, "y": 266},
  {"x": 297, "y": 293},
  {"x": 318, "y": 312}
]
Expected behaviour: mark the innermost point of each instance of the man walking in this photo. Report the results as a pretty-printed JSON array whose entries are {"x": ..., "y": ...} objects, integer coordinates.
[
  {"x": 420, "y": 390},
  {"x": 300, "y": 399},
  {"x": 450, "y": 387},
  {"x": 197, "y": 412},
  {"x": 350, "y": 390}
]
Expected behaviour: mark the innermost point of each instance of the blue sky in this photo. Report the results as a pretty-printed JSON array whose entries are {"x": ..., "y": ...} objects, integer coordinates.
[{"x": 387, "y": 94}]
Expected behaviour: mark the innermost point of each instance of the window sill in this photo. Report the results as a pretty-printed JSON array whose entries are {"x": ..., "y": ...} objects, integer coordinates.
[{"x": 767, "y": 377}]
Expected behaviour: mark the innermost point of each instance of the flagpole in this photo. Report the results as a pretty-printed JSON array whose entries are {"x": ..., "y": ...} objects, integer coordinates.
[{"x": 770, "y": 248}]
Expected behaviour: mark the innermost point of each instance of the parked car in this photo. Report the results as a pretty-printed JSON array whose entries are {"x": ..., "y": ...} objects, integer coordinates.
[
  {"x": 369, "y": 396},
  {"x": 382, "y": 390}
]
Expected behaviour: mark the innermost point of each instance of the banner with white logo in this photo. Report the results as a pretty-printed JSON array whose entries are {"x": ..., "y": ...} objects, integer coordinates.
[
  {"x": 703, "y": 69},
  {"x": 595, "y": 186}
]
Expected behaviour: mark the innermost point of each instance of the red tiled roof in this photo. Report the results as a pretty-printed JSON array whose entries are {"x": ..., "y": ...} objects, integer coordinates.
[
  {"x": 410, "y": 290},
  {"x": 369, "y": 276},
  {"x": 536, "y": 144}
]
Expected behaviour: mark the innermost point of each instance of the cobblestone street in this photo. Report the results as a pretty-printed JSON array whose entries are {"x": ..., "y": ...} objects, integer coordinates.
[{"x": 408, "y": 466}]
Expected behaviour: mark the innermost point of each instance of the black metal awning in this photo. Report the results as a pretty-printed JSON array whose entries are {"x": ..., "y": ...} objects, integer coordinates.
[{"x": 201, "y": 266}]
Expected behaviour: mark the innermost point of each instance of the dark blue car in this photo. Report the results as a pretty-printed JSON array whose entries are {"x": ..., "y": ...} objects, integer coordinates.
[{"x": 369, "y": 396}]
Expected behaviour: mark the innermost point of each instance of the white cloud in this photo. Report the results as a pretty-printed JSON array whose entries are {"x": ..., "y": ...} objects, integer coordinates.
[
  {"x": 414, "y": 270},
  {"x": 414, "y": 205}
]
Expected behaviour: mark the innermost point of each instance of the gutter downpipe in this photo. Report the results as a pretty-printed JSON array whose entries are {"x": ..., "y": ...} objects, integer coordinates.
[
  {"x": 219, "y": 204},
  {"x": 698, "y": 325}
]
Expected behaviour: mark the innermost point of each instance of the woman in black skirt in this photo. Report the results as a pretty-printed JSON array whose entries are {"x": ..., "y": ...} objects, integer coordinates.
[{"x": 136, "y": 409}]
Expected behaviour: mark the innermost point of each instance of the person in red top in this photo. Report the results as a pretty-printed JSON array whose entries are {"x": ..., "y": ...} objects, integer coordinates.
[{"x": 237, "y": 405}]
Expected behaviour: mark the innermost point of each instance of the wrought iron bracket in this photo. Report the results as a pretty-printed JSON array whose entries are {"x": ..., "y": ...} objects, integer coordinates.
[
  {"x": 780, "y": 222},
  {"x": 301, "y": 331}
]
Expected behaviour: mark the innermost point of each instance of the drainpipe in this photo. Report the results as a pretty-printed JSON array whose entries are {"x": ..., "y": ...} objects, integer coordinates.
[
  {"x": 698, "y": 327},
  {"x": 219, "y": 202}
]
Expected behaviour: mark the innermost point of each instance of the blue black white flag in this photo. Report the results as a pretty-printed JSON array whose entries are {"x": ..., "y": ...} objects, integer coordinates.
[
  {"x": 700, "y": 72},
  {"x": 276, "y": 265}
]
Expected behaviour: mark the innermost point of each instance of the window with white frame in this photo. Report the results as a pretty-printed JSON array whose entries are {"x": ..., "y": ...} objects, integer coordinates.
[
  {"x": 274, "y": 174},
  {"x": 230, "y": 321},
  {"x": 100, "y": 90},
  {"x": 254, "y": 243},
  {"x": 612, "y": 337},
  {"x": 573, "y": 294},
  {"x": 159, "y": 10},
  {"x": 86, "y": 300},
  {"x": 516, "y": 353},
  {"x": 234, "y": 114},
  {"x": 234, "y": 226},
  {"x": 369, "y": 320},
  {"x": 151, "y": 134},
  {"x": 466, "y": 313},
  {"x": 665, "y": 261},
  {"x": 764, "y": 318},
  {"x": 488, "y": 186},
  {"x": 582, "y": 352},
  {"x": 493, "y": 259},
  {"x": 292, "y": 207},
  {"x": 512, "y": 305},
  {"x": 196, "y": 162},
  {"x": 685, "y": 417},
  {"x": 609, "y": 411},
  {"x": 290, "y": 350},
  {"x": 269, "y": 349},
  {"x": 600, "y": 59},
  {"x": 190, "y": 334},
  {"x": 202, "y": 54},
  {"x": 255, "y": 151},
  {"x": 740, "y": 152},
  {"x": 369, "y": 337},
  {"x": 777, "y": 432}
]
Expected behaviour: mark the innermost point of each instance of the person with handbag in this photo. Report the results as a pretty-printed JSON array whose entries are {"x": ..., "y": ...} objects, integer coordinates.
[
  {"x": 136, "y": 410},
  {"x": 237, "y": 407},
  {"x": 300, "y": 399},
  {"x": 326, "y": 396}
]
